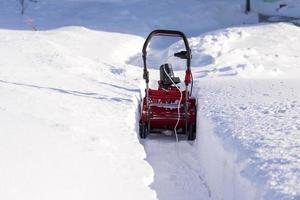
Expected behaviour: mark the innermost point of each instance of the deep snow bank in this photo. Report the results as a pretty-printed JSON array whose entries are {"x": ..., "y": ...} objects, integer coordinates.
[
  {"x": 67, "y": 120},
  {"x": 257, "y": 51},
  {"x": 250, "y": 95},
  {"x": 220, "y": 164},
  {"x": 251, "y": 150}
]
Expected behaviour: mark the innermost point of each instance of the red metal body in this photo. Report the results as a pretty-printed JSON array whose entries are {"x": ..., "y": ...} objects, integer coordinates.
[
  {"x": 159, "y": 108},
  {"x": 163, "y": 109}
]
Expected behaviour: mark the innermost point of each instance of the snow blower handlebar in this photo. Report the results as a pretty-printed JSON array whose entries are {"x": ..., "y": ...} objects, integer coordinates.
[{"x": 184, "y": 54}]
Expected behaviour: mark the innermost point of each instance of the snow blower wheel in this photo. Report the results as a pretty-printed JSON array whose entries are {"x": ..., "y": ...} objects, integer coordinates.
[
  {"x": 143, "y": 129},
  {"x": 168, "y": 107},
  {"x": 192, "y": 132}
]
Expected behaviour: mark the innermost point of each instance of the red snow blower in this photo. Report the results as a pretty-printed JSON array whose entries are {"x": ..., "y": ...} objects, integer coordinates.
[{"x": 168, "y": 108}]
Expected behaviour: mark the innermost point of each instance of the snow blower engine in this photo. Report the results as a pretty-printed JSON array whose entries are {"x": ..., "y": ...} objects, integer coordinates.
[{"x": 168, "y": 108}]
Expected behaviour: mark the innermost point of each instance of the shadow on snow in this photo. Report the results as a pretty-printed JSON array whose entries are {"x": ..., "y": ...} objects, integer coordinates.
[{"x": 90, "y": 95}]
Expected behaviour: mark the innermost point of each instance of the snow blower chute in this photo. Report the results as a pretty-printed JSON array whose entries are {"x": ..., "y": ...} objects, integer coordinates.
[{"x": 168, "y": 108}]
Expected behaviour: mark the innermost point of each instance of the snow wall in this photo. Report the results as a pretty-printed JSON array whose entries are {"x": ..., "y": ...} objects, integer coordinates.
[{"x": 222, "y": 165}]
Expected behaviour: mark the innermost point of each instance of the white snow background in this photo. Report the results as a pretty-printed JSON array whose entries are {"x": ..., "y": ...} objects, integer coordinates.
[{"x": 70, "y": 92}]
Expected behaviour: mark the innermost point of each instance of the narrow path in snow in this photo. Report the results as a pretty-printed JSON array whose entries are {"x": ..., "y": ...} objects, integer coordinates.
[{"x": 177, "y": 172}]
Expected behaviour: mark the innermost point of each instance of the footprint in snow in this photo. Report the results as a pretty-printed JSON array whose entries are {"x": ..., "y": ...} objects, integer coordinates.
[
  {"x": 243, "y": 107},
  {"x": 225, "y": 69},
  {"x": 281, "y": 111}
]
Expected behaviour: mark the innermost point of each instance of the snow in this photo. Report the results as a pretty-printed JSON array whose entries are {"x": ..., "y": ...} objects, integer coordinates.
[
  {"x": 222, "y": 166},
  {"x": 247, "y": 82},
  {"x": 249, "y": 92},
  {"x": 70, "y": 95},
  {"x": 57, "y": 105},
  {"x": 259, "y": 51},
  {"x": 176, "y": 175},
  {"x": 258, "y": 122},
  {"x": 137, "y": 17}
]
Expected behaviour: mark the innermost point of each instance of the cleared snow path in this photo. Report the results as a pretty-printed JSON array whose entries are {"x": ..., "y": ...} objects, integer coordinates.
[{"x": 176, "y": 171}]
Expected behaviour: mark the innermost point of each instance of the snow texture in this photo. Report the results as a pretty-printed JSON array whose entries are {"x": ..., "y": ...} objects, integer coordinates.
[
  {"x": 65, "y": 131},
  {"x": 70, "y": 95},
  {"x": 254, "y": 103}
]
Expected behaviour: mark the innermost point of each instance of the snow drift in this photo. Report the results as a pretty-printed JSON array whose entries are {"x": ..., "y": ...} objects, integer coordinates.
[
  {"x": 68, "y": 117},
  {"x": 69, "y": 102},
  {"x": 248, "y": 111}
]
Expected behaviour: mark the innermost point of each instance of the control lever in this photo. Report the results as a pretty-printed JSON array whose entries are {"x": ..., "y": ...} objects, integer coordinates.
[{"x": 181, "y": 54}]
